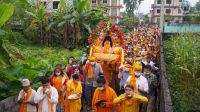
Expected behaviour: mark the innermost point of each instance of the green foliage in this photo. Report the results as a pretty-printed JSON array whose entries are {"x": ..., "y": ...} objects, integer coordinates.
[
  {"x": 192, "y": 19},
  {"x": 62, "y": 6},
  {"x": 37, "y": 62},
  {"x": 131, "y": 5},
  {"x": 182, "y": 56},
  {"x": 129, "y": 22},
  {"x": 146, "y": 19},
  {"x": 6, "y": 11},
  {"x": 64, "y": 27},
  {"x": 197, "y": 6}
]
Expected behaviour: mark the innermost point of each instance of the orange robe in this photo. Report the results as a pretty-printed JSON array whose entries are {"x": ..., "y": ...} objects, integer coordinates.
[
  {"x": 73, "y": 88},
  {"x": 109, "y": 95},
  {"x": 59, "y": 83}
]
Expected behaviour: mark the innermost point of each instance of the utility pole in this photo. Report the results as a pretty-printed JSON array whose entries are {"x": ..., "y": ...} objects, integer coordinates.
[{"x": 162, "y": 15}]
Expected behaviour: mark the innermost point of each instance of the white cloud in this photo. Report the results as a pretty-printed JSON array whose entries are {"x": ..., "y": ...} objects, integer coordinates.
[
  {"x": 193, "y": 2},
  {"x": 145, "y": 6}
]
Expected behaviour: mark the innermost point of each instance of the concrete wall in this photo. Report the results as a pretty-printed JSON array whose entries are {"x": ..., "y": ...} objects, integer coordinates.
[
  {"x": 164, "y": 94},
  {"x": 9, "y": 105}
]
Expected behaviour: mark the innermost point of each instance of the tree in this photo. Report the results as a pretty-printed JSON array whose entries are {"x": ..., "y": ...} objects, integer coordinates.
[
  {"x": 146, "y": 19},
  {"x": 82, "y": 18},
  {"x": 131, "y": 5},
  {"x": 129, "y": 22},
  {"x": 197, "y": 6}
]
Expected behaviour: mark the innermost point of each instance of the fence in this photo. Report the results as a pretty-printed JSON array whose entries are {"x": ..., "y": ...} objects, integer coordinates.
[{"x": 173, "y": 28}]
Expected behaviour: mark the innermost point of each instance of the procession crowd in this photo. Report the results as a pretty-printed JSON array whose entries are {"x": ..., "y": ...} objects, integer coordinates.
[{"x": 82, "y": 83}]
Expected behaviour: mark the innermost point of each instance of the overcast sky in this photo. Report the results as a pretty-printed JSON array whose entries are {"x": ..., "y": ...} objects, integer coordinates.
[{"x": 145, "y": 6}]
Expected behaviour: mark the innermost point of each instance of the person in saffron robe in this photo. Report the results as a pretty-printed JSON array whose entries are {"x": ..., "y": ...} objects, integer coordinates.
[
  {"x": 103, "y": 97},
  {"x": 130, "y": 101},
  {"x": 26, "y": 97},
  {"x": 58, "y": 80},
  {"x": 46, "y": 97},
  {"x": 74, "y": 91},
  {"x": 93, "y": 69}
]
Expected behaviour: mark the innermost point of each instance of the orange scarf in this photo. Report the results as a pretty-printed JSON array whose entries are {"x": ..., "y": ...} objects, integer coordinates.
[
  {"x": 90, "y": 70},
  {"x": 58, "y": 84},
  {"x": 50, "y": 105},
  {"x": 132, "y": 73},
  {"x": 23, "y": 106},
  {"x": 133, "y": 83}
]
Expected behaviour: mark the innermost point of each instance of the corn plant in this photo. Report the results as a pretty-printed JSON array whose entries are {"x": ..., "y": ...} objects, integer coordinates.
[{"x": 182, "y": 56}]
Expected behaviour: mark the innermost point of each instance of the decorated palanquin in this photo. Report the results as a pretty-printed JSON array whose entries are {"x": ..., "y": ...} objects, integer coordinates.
[{"x": 106, "y": 43}]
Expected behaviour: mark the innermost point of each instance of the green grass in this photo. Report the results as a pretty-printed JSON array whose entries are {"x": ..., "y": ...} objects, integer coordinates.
[{"x": 33, "y": 63}]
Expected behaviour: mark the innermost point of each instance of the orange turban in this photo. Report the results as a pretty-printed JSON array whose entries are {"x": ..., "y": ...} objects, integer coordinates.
[{"x": 137, "y": 67}]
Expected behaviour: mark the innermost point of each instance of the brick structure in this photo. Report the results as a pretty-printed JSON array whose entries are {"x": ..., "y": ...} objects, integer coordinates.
[
  {"x": 172, "y": 9},
  {"x": 114, "y": 8}
]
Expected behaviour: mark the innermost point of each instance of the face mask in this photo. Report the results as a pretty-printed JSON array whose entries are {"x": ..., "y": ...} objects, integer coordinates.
[
  {"x": 147, "y": 73},
  {"x": 77, "y": 72},
  {"x": 84, "y": 55},
  {"x": 70, "y": 62},
  {"x": 92, "y": 63},
  {"x": 142, "y": 53},
  {"x": 138, "y": 62},
  {"x": 101, "y": 88},
  {"x": 74, "y": 65},
  {"x": 57, "y": 73},
  {"x": 126, "y": 69},
  {"x": 137, "y": 74}
]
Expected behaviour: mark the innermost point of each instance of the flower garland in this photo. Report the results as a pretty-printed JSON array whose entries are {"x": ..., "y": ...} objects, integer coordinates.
[{"x": 106, "y": 28}]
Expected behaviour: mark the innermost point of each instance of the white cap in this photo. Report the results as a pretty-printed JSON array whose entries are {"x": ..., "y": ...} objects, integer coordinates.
[{"x": 25, "y": 82}]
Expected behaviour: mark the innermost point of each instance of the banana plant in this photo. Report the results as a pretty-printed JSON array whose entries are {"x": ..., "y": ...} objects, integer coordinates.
[
  {"x": 39, "y": 21},
  {"x": 82, "y": 18},
  {"x": 6, "y": 11}
]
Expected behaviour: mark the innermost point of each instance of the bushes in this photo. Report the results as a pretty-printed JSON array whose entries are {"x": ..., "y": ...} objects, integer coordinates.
[
  {"x": 182, "y": 56},
  {"x": 38, "y": 61}
]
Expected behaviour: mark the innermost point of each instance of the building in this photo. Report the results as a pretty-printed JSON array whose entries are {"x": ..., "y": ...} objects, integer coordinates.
[
  {"x": 172, "y": 9},
  {"x": 114, "y": 8},
  {"x": 113, "y": 5}
]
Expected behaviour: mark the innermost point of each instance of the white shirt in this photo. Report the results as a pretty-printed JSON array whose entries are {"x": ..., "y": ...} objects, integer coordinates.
[
  {"x": 30, "y": 108},
  {"x": 141, "y": 83},
  {"x": 54, "y": 98}
]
